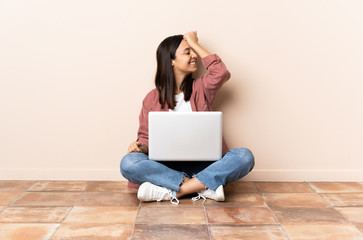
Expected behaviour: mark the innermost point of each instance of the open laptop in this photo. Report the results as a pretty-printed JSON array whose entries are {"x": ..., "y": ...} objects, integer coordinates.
[{"x": 185, "y": 136}]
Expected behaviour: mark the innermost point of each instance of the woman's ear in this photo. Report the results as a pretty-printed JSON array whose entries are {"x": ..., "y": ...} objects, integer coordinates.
[{"x": 172, "y": 63}]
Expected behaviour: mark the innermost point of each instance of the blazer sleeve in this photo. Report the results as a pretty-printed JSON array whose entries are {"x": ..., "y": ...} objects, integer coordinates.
[
  {"x": 143, "y": 132},
  {"x": 216, "y": 76}
]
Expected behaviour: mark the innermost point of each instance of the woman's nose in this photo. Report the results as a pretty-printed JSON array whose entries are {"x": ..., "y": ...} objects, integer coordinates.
[{"x": 193, "y": 54}]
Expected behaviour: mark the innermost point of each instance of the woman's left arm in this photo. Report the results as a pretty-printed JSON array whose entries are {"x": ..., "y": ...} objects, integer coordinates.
[{"x": 217, "y": 73}]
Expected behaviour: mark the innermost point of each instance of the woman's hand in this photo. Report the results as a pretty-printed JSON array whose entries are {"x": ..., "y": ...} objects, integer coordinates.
[
  {"x": 138, "y": 147},
  {"x": 191, "y": 38}
]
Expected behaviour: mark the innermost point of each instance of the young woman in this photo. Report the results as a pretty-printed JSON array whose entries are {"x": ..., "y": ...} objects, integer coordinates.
[{"x": 176, "y": 90}]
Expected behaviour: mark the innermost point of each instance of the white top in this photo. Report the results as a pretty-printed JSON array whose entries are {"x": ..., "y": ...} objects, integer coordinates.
[{"x": 181, "y": 104}]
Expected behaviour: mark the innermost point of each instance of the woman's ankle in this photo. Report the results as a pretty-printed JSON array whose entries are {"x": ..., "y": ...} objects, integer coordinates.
[
  {"x": 190, "y": 186},
  {"x": 185, "y": 180}
]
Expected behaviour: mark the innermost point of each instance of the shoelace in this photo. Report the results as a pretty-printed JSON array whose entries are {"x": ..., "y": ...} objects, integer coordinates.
[
  {"x": 172, "y": 198},
  {"x": 194, "y": 199},
  {"x": 176, "y": 200}
]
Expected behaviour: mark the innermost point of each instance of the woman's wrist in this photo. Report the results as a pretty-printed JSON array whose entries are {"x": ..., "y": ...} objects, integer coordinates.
[
  {"x": 145, "y": 149},
  {"x": 202, "y": 52}
]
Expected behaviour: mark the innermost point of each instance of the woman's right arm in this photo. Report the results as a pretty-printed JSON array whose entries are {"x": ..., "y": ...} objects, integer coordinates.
[{"x": 141, "y": 144}]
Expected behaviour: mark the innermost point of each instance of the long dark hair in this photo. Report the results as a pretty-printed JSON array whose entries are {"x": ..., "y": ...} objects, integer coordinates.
[{"x": 164, "y": 79}]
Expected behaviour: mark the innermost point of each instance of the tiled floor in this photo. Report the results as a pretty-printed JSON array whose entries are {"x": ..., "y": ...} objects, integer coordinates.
[{"x": 63, "y": 210}]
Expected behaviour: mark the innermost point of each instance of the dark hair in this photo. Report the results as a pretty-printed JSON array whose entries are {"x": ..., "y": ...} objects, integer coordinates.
[{"x": 164, "y": 79}]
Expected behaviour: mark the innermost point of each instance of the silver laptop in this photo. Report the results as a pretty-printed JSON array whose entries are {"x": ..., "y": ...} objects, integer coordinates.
[{"x": 185, "y": 136}]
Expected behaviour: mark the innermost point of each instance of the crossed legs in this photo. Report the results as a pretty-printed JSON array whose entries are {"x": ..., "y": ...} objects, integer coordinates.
[{"x": 236, "y": 163}]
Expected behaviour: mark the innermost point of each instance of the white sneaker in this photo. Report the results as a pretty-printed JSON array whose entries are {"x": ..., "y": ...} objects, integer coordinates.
[
  {"x": 217, "y": 195},
  {"x": 149, "y": 192}
]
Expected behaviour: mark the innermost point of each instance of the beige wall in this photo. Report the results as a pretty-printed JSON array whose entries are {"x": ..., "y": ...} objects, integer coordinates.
[{"x": 73, "y": 75}]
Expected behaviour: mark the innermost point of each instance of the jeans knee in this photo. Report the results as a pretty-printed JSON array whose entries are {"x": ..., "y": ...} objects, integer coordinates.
[
  {"x": 128, "y": 163},
  {"x": 124, "y": 165},
  {"x": 246, "y": 157}
]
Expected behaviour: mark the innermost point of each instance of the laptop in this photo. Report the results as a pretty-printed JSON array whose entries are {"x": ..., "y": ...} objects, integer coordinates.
[{"x": 185, "y": 136}]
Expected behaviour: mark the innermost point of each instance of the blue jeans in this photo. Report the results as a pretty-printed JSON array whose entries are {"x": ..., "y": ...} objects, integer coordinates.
[{"x": 236, "y": 163}]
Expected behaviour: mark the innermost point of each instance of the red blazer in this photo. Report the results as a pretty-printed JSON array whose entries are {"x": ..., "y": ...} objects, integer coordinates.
[{"x": 204, "y": 91}]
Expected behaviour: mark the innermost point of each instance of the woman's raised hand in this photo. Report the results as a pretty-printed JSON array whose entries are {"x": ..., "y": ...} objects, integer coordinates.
[
  {"x": 191, "y": 38},
  {"x": 137, "y": 147}
]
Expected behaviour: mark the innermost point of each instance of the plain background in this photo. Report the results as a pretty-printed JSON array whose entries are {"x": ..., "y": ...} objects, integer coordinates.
[{"x": 73, "y": 74}]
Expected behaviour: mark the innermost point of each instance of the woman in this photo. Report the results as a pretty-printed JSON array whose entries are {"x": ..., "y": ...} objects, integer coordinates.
[{"x": 176, "y": 90}]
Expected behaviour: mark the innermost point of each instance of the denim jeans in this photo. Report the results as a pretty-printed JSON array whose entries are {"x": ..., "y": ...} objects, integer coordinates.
[{"x": 236, "y": 163}]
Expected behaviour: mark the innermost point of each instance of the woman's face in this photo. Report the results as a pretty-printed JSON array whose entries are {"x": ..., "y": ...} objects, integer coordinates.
[{"x": 185, "y": 59}]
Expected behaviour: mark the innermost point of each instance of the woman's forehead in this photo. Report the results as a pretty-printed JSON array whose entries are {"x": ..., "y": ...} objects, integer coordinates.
[{"x": 183, "y": 46}]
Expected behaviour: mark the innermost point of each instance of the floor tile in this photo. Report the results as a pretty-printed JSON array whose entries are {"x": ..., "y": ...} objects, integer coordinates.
[
  {"x": 354, "y": 214},
  {"x": 59, "y": 186},
  {"x": 309, "y": 215},
  {"x": 28, "y": 231},
  {"x": 312, "y": 200},
  {"x": 183, "y": 202},
  {"x": 107, "y": 214},
  {"x": 34, "y": 214},
  {"x": 175, "y": 232},
  {"x": 8, "y": 197},
  {"x": 92, "y": 231},
  {"x": 172, "y": 215},
  {"x": 48, "y": 199},
  {"x": 109, "y": 209},
  {"x": 240, "y": 216},
  {"x": 110, "y": 186},
  {"x": 237, "y": 232},
  {"x": 344, "y": 199},
  {"x": 283, "y": 187},
  {"x": 322, "y": 232},
  {"x": 238, "y": 200},
  {"x": 240, "y": 187},
  {"x": 15, "y": 186},
  {"x": 336, "y": 187},
  {"x": 109, "y": 199}
]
